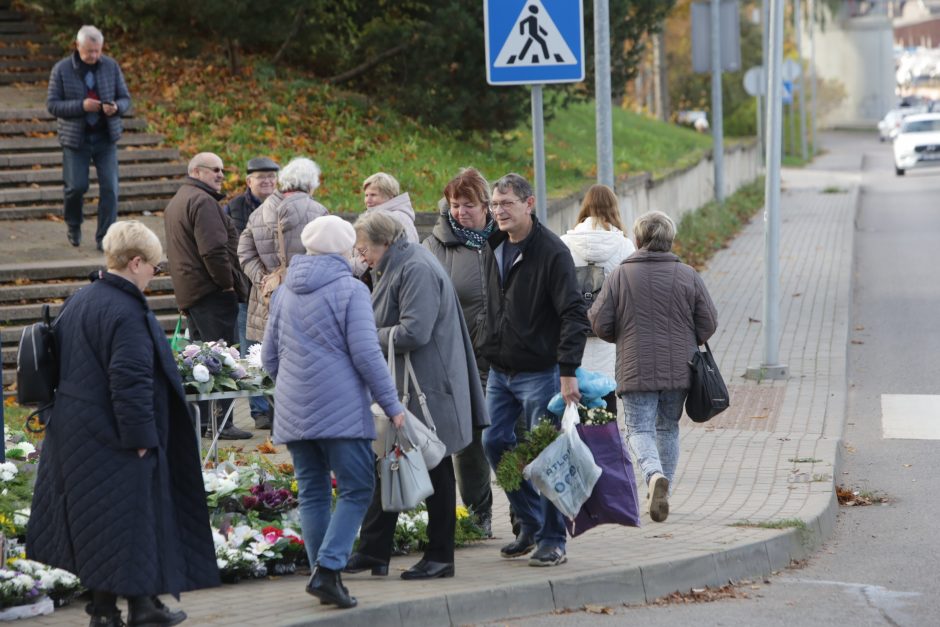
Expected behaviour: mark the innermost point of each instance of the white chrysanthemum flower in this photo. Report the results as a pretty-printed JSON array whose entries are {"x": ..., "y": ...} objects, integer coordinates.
[
  {"x": 201, "y": 373},
  {"x": 8, "y": 471}
]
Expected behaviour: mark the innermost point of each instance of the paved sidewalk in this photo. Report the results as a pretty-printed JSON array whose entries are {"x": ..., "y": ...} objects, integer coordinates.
[{"x": 772, "y": 457}]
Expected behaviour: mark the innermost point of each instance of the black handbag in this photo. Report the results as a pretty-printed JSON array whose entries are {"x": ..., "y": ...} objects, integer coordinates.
[{"x": 708, "y": 394}]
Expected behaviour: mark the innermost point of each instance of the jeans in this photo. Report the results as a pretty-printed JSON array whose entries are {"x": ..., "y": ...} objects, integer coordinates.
[
  {"x": 258, "y": 404},
  {"x": 97, "y": 148},
  {"x": 506, "y": 396},
  {"x": 329, "y": 536},
  {"x": 213, "y": 317},
  {"x": 644, "y": 412}
]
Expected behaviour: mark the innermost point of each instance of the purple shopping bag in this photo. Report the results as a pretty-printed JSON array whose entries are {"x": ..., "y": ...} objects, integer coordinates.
[{"x": 613, "y": 500}]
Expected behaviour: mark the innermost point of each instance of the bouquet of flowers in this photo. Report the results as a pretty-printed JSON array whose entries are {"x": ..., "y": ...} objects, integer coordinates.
[
  {"x": 595, "y": 416},
  {"x": 25, "y": 582},
  {"x": 208, "y": 367}
]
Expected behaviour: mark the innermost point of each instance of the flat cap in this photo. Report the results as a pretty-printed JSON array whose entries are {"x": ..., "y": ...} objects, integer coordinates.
[{"x": 262, "y": 164}]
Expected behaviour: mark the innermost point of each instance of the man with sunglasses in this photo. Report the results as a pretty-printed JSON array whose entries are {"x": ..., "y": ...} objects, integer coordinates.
[{"x": 202, "y": 251}]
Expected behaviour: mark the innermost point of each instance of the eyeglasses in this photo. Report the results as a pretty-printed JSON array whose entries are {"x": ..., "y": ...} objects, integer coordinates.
[
  {"x": 158, "y": 268},
  {"x": 505, "y": 205},
  {"x": 266, "y": 176},
  {"x": 361, "y": 252},
  {"x": 212, "y": 168}
]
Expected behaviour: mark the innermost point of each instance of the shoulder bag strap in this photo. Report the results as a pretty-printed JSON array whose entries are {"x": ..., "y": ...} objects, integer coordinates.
[
  {"x": 391, "y": 356},
  {"x": 422, "y": 399}
]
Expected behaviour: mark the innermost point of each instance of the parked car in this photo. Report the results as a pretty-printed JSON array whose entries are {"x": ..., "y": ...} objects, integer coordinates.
[
  {"x": 918, "y": 143},
  {"x": 889, "y": 125}
]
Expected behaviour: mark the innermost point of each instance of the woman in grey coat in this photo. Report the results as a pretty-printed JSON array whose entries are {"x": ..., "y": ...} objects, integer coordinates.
[
  {"x": 414, "y": 299},
  {"x": 457, "y": 241},
  {"x": 258, "y": 250},
  {"x": 658, "y": 311}
]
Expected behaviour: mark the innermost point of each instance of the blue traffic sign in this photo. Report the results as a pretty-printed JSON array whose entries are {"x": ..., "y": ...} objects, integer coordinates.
[
  {"x": 787, "y": 92},
  {"x": 534, "y": 41}
]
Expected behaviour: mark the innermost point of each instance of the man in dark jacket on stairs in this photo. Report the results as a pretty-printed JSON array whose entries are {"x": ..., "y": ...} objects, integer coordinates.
[
  {"x": 88, "y": 95},
  {"x": 201, "y": 248}
]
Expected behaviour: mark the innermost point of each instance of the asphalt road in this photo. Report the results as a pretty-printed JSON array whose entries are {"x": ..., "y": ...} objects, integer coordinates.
[{"x": 882, "y": 564}]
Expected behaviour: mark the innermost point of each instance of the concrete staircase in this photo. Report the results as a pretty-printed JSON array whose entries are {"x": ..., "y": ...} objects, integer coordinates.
[{"x": 31, "y": 185}]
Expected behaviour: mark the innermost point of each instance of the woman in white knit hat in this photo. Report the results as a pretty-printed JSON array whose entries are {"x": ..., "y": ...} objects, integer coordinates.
[{"x": 322, "y": 348}]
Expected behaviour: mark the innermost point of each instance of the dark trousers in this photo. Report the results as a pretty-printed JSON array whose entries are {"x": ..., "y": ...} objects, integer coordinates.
[
  {"x": 378, "y": 528},
  {"x": 214, "y": 317},
  {"x": 97, "y": 148},
  {"x": 473, "y": 477}
]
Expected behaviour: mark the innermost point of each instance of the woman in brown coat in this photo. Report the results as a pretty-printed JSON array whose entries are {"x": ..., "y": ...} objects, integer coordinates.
[{"x": 657, "y": 311}]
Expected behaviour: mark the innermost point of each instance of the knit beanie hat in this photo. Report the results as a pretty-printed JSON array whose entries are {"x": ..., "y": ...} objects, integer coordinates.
[{"x": 328, "y": 235}]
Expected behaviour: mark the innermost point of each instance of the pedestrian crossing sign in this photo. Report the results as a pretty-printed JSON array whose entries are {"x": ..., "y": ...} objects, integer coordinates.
[{"x": 534, "y": 41}]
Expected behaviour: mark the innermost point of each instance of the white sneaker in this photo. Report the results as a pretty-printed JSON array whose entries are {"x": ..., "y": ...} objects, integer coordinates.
[{"x": 659, "y": 497}]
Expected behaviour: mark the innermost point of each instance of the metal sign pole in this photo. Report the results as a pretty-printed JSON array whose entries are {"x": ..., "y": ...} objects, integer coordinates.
[
  {"x": 812, "y": 69},
  {"x": 602, "y": 97},
  {"x": 798, "y": 18},
  {"x": 717, "y": 115},
  {"x": 771, "y": 368},
  {"x": 538, "y": 153}
]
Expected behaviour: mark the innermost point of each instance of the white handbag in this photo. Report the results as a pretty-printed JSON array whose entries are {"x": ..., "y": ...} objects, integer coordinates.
[{"x": 421, "y": 434}]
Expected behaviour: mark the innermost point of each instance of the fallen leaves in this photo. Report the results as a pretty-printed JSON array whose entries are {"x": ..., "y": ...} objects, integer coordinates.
[
  {"x": 704, "y": 595},
  {"x": 858, "y": 498},
  {"x": 267, "y": 447},
  {"x": 598, "y": 609}
]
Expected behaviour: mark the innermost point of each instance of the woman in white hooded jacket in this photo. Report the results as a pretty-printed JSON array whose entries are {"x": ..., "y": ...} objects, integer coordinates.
[{"x": 599, "y": 239}]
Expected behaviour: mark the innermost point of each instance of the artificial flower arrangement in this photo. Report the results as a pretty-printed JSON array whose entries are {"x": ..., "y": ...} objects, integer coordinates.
[
  {"x": 208, "y": 367},
  {"x": 411, "y": 532},
  {"x": 595, "y": 416}
]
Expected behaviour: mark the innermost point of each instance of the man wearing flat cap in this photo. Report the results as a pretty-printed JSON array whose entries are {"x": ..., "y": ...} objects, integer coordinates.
[{"x": 261, "y": 183}]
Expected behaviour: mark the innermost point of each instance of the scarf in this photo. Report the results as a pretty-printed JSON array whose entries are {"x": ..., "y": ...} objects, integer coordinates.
[{"x": 474, "y": 240}]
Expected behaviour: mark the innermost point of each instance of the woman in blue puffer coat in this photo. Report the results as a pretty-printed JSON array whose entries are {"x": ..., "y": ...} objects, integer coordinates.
[{"x": 322, "y": 348}]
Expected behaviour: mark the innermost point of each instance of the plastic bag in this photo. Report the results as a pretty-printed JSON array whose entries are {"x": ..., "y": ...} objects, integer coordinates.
[
  {"x": 565, "y": 472},
  {"x": 594, "y": 386},
  {"x": 614, "y": 499}
]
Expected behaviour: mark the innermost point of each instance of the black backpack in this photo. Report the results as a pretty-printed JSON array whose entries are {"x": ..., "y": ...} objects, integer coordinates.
[
  {"x": 590, "y": 281},
  {"x": 37, "y": 365}
]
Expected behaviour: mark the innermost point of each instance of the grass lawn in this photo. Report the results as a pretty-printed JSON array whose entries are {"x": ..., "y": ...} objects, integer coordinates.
[{"x": 199, "y": 107}]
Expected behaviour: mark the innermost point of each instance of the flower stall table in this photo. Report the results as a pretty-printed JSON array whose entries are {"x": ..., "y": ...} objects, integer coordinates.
[{"x": 194, "y": 399}]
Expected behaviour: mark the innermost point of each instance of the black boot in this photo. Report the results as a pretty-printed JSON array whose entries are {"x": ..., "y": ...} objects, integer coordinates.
[
  {"x": 151, "y": 612},
  {"x": 103, "y": 610},
  {"x": 327, "y": 585}
]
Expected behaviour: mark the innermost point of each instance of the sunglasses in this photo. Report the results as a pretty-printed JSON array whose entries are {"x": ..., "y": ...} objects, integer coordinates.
[{"x": 214, "y": 169}]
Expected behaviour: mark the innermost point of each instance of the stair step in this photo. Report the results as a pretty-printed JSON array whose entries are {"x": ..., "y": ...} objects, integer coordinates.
[
  {"x": 29, "y": 313},
  {"x": 32, "y": 50},
  {"x": 24, "y": 144},
  {"x": 24, "y": 127},
  {"x": 8, "y": 26},
  {"x": 52, "y": 193},
  {"x": 10, "y": 335},
  {"x": 26, "y": 63},
  {"x": 12, "y": 293},
  {"x": 23, "y": 38},
  {"x": 23, "y": 77},
  {"x": 125, "y": 207},
  {"x": 125, "y": 155},
  {"x": 127, "y": 173},
  {"x": 6, "y": 15},
  {"x": 25, "y": 114},
  {"x": 49, "y": 270}
]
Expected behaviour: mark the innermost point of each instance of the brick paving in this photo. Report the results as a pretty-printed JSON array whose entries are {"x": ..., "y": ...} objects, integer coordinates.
[{"x": 772, "y": 457}]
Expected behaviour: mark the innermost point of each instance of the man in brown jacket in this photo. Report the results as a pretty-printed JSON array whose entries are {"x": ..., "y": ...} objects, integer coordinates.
[{"x": 201, "y": 247}]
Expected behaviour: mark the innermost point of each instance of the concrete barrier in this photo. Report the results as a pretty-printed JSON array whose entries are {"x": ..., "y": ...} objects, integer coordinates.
[{"x": 675, "y": 194}]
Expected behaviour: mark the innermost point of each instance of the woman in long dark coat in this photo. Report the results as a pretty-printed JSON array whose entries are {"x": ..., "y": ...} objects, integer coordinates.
[{"x": 119, "y": 498}]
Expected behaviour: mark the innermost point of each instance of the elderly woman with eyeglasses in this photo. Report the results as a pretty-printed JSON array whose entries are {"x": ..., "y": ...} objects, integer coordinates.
[
  {"x": 273, "y": 234},
  {"x": 119, "y": 498},
  {"x": 414, "y": 299}
]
